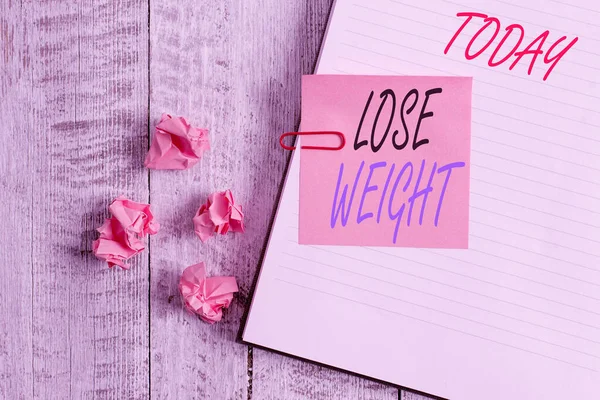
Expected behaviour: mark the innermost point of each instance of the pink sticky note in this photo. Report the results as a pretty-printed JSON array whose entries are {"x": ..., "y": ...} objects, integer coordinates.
[{"x": 402, "y": 178}]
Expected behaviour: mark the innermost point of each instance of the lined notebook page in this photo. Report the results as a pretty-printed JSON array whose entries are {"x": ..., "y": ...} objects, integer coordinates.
[{"x": 517, "y": 316}]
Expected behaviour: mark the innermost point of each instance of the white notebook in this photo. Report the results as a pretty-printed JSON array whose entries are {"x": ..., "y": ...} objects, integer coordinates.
[{"x": 517, "y": 315}]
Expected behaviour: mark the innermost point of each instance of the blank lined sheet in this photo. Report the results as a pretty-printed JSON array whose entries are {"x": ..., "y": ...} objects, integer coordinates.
[{"x": 517, "y": 315}]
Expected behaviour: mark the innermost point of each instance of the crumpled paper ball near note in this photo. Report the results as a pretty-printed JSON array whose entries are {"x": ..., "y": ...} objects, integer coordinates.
[
  {"x": 120, "y": 235},
  {"x": 206, "y": 296},
  {"x": 219, "y": 215},
  {"x": 176, "y": 144}
]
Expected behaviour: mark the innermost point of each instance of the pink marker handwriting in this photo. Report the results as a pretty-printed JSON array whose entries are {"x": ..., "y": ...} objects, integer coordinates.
[{"x": 551, "y": 55}]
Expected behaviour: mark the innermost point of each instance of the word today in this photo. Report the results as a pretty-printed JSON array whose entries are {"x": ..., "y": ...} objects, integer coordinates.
[{"x": 551, "y": 56}]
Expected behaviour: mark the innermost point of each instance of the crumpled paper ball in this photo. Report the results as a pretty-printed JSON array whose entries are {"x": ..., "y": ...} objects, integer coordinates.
[
  {"x": 176, "y": 144},
  {"x": 114, "y": 244},
  {"x": 206, "y": 296},
  {"x": 120, "y": 235},
  {"x": 219, "y": 215},
  {"x": 135, "y": 217}
]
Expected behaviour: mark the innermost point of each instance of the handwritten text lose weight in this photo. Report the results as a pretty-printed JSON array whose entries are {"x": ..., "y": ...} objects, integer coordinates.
[{"x": 408, "y": 186}]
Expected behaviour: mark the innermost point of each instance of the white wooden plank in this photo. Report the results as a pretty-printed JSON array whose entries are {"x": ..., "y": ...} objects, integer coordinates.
[
  {"x": 74, "y": 111},
  {"x": 196, "y": 73},
  {"x": 413, "y": 396},
  {"x": 279, "y": 377},
  {"x": 16, "y": 375}
]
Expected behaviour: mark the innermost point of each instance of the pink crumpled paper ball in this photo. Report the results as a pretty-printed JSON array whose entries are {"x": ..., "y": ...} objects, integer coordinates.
[
  {"x": 114, "y": 244},
  {"x": 206, "y": 296},
  {"x": 176, "y": 144},
  {"x": 219, "y": 215},
  {"x": 135, "y": 217},
  {"x": 120, "y": 235}
]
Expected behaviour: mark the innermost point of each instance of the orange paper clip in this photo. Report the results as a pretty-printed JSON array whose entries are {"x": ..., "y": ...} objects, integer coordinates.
[{"x": 338, "y": 134}]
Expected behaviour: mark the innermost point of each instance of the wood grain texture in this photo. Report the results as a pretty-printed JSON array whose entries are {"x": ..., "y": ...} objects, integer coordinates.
[
  {"x": 279, "y": 377},
  {"x": 74, "y": 110},
  {"x": 16, "y": 165},
  {"x": 413, "y": 396},
  {"x": 194, "y": 47}
]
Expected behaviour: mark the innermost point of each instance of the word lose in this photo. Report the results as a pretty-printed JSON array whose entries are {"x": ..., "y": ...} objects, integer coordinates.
[
  {"x": 501, "y": 55},
  {"x": 389, "y": 93},
  {"x": 398, "y": 187}
]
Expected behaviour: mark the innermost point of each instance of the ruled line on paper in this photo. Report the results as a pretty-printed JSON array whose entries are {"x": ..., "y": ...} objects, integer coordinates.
[
  {"x": 380, "y": 25},
  {"x": 482, "y": 281},
  {"x": 537, "y": 210},
  {"x": 536, "y": 167},
  {"x": 454, "y": 286},
  {"x": 452, "y": 74},
  {"x": 422, "y": 9},
  {"x": 528, "y": 322},
  {"x": 574, "y": 6},
  {"x": 547, "y": 141},
  {"x": 444, "y": 312},
  {"x": 533, "y": 223},
  {"x": 455, "y": 273},
  {"x": 470, "y": 64},
  {"x": 542, "y": 112},
  {"x": 562, "y": 289},
  {"x": 536, "y": 139},
  {"x": 534, "y": 195},
  {"x": 532, "y": 252},
  {"x": 469, "y": 262},
  {"x": 534, "y": 181},
  {"x": 388, "y": 14},
  {"x": 565, "y": 17},
  {"x": 560, "y": 246},
  {"x": 539, "y": 125},
  {"x": 531, "y": 265},
  {"x": 439, "y": 325},
  {"x": 530, "y": 170}
]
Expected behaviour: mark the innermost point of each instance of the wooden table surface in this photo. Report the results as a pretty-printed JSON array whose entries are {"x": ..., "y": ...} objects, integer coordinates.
[{"x": 83, "y": 83}]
